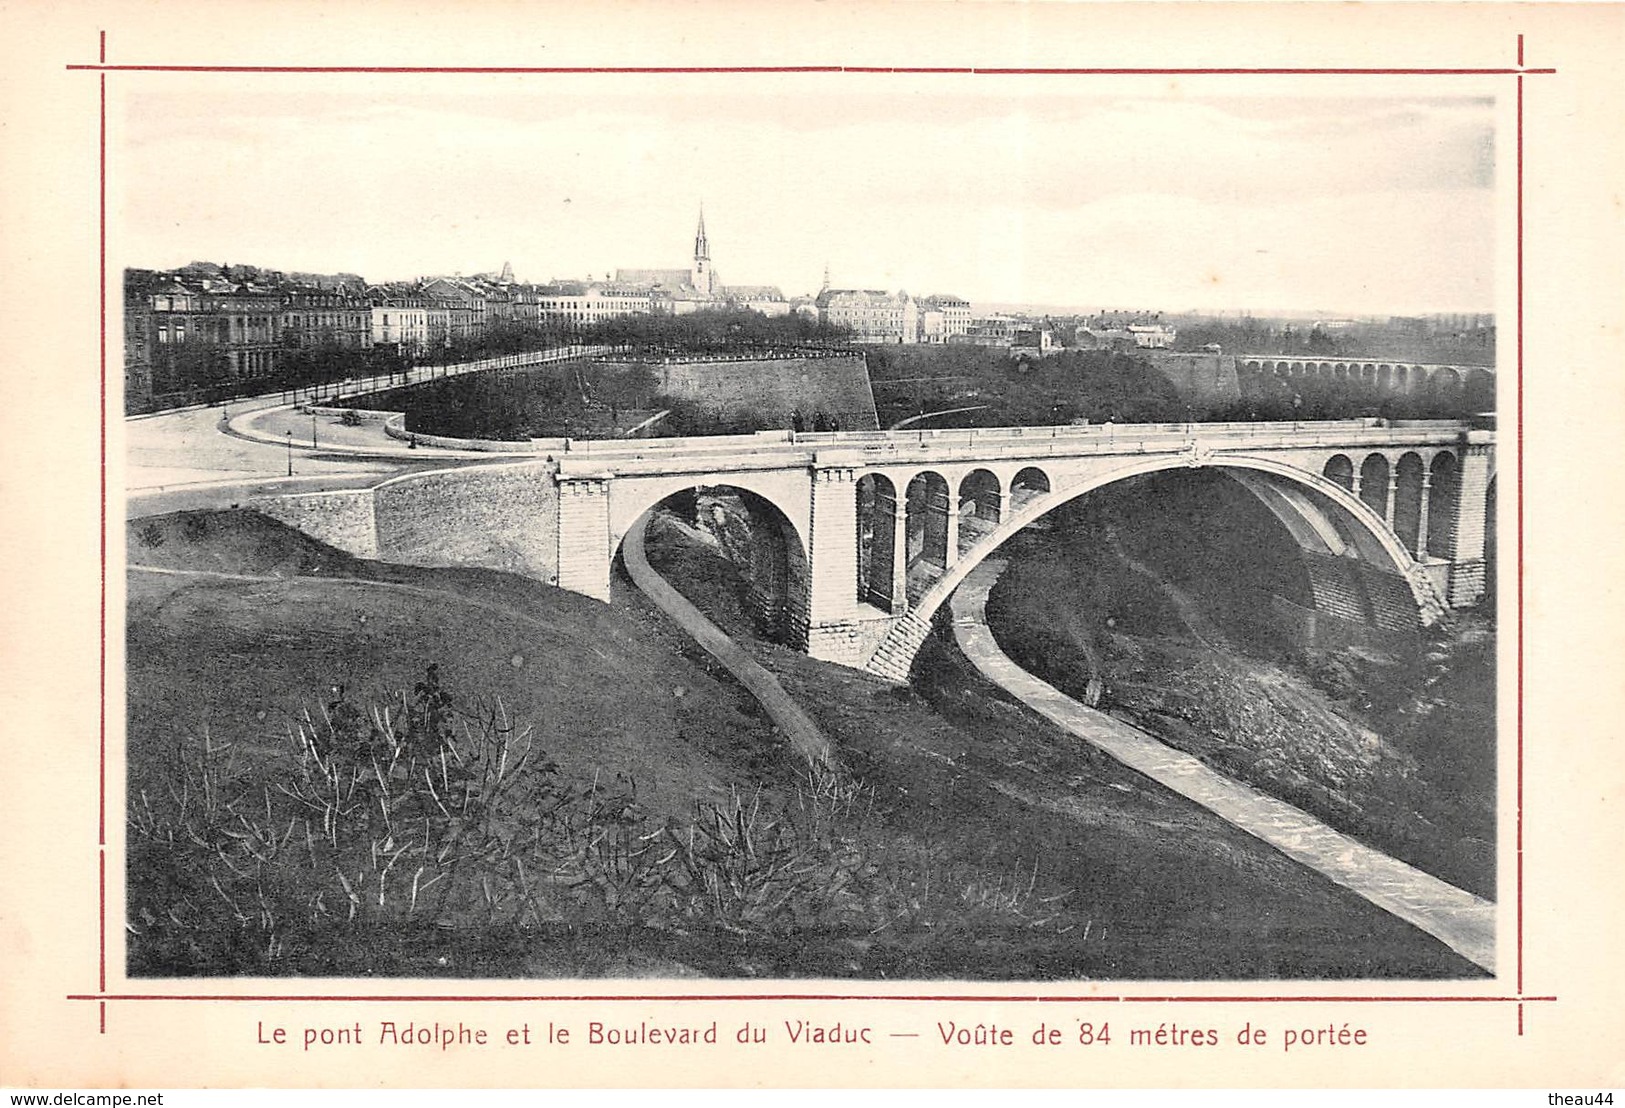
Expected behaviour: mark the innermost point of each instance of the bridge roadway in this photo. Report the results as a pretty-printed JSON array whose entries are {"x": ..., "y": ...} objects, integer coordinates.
[{"x": 772, "y": 449}]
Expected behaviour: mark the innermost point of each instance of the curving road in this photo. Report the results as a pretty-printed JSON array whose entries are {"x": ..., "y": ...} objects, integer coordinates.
[
  {"x": 1460, "y": 920},
  {"x": 217, "y": 455},
  {"x": 786, "y": 714}
]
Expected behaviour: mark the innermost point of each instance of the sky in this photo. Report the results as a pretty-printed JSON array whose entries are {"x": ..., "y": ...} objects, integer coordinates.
[{"x": 998, "y": 191}]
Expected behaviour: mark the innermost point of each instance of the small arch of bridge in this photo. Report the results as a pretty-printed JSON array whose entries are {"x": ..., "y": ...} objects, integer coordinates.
[
  {"x": 779, "y": 569},
  {"x": 914, "y": 522},
  {"x": 1399, "y": 487}
]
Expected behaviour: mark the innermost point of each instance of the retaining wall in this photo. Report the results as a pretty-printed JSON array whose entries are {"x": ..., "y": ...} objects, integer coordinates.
[
  {"x": 395, "y": 428},
  {"x": 498, "y": 517},
  {"x": 366, "y": 415},
  {"x": 342, "y": 518}
]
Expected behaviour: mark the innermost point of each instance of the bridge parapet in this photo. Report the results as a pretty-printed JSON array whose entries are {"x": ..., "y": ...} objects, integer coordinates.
[{"x": 777, "y": 450}]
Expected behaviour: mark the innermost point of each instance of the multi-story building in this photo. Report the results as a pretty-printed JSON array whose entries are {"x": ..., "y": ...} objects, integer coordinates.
[
  {"x": 942, "y": 317},
  {"x": 1140, "y": 336},
  {"x": 933, "y": 323},
  {"x": 989, "y": 330},
  {"x": 527, "y": 304},
  {"x": 871, "y": 315},
  {"x": 311, "y": 316},
  {"x": 251, "y": 312},
  {"x": 1152, "y": 336},
  {"x": 400, "y": 319},
  {"x": 766, "y": 299},
  {"x": 458, "y": 310},
  {"x": 1036, "y": 341},
  {"x": 197, "y": 328},
  {"x": 582, "y": 303}
]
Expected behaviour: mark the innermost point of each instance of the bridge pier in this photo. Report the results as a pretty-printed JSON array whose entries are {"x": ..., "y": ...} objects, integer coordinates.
[
  {"x": 584, "y": 538},
  {"x": 1422, "y": 516},
  {"x": 835, "y": 629},
  {"x": 1467, "y": 580}
]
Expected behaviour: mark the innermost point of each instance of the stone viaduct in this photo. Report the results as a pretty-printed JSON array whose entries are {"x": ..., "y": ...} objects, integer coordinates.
[
  {"x": 859, "y": 537},
  {"x": 1388, "y": 376}
]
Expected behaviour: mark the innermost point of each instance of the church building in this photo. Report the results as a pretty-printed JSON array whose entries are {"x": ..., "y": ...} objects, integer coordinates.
[{"x": 698, "y": 287}]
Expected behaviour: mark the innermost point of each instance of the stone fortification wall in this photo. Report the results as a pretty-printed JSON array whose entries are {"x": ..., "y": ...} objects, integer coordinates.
[
  {"x": 837, "y": 386},
  {"x": 499, "y": 517},
  {"x": 1200, "y": 378}
]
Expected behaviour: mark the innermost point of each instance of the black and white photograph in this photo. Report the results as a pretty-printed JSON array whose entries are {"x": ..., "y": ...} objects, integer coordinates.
[{"x": 891, "y": 530}]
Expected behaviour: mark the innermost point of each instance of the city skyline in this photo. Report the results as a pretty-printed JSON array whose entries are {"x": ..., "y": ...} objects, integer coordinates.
[{"x": 1357, "y": 206}]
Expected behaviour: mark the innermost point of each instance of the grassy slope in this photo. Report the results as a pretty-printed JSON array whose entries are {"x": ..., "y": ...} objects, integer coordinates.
[
  {"x": 240, "y": 657},
  {"x": 1160, "y": 887},
  {"x": 1145, "y": 885}
]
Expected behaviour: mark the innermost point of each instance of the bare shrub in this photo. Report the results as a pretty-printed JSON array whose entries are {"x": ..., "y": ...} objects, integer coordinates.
[{"x": 421, "y": 811}]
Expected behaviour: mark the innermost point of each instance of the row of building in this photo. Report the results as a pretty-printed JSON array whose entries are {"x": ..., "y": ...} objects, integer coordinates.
[
  {"x": 885, "y": 317},
  {"x": 206, "y": 324},
  {"x": 876, "y": 316}
]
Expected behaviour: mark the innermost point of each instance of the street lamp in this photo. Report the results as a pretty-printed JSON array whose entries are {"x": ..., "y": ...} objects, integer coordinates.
[{"x": 290, "y": 453}]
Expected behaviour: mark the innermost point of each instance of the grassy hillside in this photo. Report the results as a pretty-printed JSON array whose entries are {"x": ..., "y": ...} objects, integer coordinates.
[
  {"x": 243, "y": 659},
  {"x": 571, "y": 791}
]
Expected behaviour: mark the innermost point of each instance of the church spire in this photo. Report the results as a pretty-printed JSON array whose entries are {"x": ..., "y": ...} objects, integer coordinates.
[
  {"x": 702, "y": 249},
  {"x": 702, "y": 276}
]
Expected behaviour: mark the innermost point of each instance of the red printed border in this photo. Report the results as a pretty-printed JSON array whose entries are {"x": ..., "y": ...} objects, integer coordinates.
[{"x": 102, "y": 68}]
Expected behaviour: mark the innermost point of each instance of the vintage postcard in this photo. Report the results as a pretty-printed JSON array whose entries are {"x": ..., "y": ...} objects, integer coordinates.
[{"x": 867, "y": 544}]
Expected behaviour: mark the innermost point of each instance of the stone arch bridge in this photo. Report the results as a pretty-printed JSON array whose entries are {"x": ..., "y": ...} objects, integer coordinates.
[
  {"x": 859, "y": 537},
  {"x": 1386, "y": 375}
]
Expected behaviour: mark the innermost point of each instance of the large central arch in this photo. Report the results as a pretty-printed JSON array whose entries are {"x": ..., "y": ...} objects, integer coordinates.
[{"x": 1325, "y": 519}]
